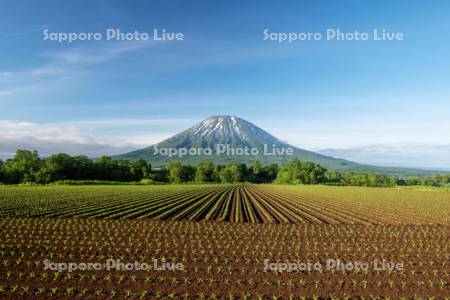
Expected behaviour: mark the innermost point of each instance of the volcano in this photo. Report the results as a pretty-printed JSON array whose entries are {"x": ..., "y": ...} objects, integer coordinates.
[{"x": 225, "y": 136}]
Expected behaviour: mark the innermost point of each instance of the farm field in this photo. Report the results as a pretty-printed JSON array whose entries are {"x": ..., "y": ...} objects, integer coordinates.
[
  {"x": 221, "y": 260},
  {"x": 229, "y": 240},
  {"x": 233, "y": 203}
]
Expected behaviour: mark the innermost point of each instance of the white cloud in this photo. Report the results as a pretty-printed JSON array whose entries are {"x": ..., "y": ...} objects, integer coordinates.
[
  {"x": 54, "y": 138},
  {"x": 405, "y": 143},
  {"x": 79, "y": 137},
  {"x": 401, "y": 154},
  {"x": 88, "y": 137},
  {"x": 61, "y": 66},
  {"x": 353, "y": 133},
  {"x": 92, "y": 55}
]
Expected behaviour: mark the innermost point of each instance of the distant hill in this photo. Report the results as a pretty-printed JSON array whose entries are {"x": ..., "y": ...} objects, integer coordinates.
[{"x": 222, "y": 133}]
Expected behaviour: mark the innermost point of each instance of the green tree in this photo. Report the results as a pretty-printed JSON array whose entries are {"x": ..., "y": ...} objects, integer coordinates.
[
  {"x": 394, "y": 180},
  {"x": 103, "y": 167},
  {"x": 107, "y": 168},
  {"x": 121, "y": 170},
  {"x": 217, "y": 175},
  {"x": 317, "y": 174},
  {"x": 43, "y": 176},
  {"x": 229, "y": 174},
  {"x": 297, "y": 172},
  {"x": 233, "y": 173},
  {"x": 1, "y": 171},
  {"x": 333, "y": 177},
  {"x": 140, "y": 169},
  {"x": 85, "y": 168},
  {"x": 256, "y": 172},
  {"x": 242, "y": 172},
  {"x": 290, "y": 173},
  {"x": 373, "y": 179},
  {"x": 21, "y": 168},
  {"x": 159, "y": 175},
  {"x": 175, "y": 170},
  {"x": 284, "y": 175},
  {"x": 188, "y": 173},
  {"x": 205, "y": 172},
  {"x": 59, "y": 167},
  {"x": 270, "y": 172}
]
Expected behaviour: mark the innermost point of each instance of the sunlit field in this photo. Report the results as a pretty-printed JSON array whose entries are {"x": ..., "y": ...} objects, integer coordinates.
[
  {"x": 233, "y": 203},
  {"x": 232, "y": 242}
]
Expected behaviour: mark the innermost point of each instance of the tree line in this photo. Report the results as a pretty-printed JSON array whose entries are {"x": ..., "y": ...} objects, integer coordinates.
[{"x": 27, "y": 167}]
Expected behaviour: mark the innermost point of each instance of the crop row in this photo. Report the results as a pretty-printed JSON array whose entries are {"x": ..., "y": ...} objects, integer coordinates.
[
  {"x": 232, "y": 203},
  {"x": 223, "y": 260}
]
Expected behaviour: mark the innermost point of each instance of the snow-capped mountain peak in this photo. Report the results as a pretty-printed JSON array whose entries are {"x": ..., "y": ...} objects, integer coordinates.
[
  {"x": 235, "y": 133},
  {"x": 219, "y": 126},
  {"x": 228, "y": 130}
]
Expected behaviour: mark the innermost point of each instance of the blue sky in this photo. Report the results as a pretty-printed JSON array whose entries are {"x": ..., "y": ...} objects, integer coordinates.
[{"x": 350, "y": 97}]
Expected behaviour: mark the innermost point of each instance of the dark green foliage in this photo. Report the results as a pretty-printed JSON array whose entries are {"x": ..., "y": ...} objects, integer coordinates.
[
  {"x": 22, "y": 168},
  {"x": 159, "y": 175},
  {"x": 297, "y": 172},
  {"x": 140, "y": 169},
  {"x": 206, "y": 172},
  {"x": 188, "y": 173},
  {"x": 230, "y": 174},
  {"x": 174, "y": 170},
  {"x": 178, "y": 173},
  {"x": 57, "y": 167},
  {"x": 234, "y": 172},
  {"x": 28, "y": 167},
  {"x": 1, "y": 171},
  {"x": 436, "y": 180}
]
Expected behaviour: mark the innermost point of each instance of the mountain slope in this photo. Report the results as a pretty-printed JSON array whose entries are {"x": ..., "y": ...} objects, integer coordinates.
[{"x": 234, "y": 133}]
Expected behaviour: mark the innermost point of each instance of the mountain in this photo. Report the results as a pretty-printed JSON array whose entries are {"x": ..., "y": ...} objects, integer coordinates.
[{"x": 220, "y": 138}]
